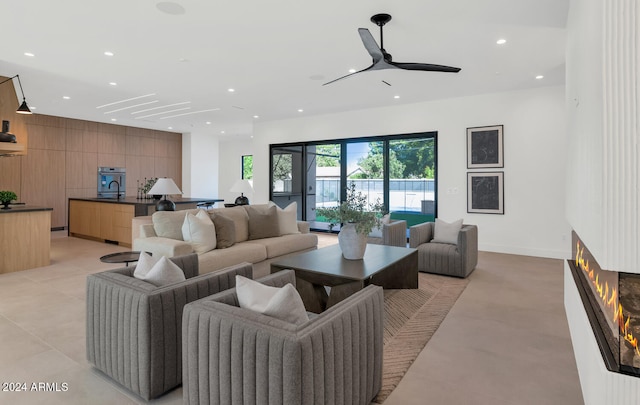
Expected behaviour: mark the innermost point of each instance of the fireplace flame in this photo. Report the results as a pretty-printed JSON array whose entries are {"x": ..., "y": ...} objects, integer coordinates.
[{"x": 609, "y": 297}]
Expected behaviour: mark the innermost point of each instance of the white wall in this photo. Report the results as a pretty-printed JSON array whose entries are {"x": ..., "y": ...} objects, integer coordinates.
[
  {"x": 231, "y": 152},
  {"x": 534, "y": 143},
  {"x": 200, "y": 156}
]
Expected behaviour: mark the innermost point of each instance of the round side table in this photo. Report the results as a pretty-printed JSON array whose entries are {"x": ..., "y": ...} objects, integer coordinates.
[{"x": 121, "y": 257}]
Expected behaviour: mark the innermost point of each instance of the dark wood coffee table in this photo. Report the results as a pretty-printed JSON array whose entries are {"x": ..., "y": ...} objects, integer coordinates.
[{"x": 386, "y": 266}]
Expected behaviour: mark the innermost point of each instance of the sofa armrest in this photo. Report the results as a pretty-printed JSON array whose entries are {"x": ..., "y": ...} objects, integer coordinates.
[
  {"x": 468, "y": 246},
  {"x": 142, "y": 227},
  {"x": 419, "y": 234},
  {"x": 304, "y": 227},
  {"x": 159, "y": 246},
  {"x": 395, "y": 233}
]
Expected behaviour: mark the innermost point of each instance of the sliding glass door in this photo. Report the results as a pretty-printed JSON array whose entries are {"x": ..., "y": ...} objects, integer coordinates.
[{"x": 397, "y": 170}]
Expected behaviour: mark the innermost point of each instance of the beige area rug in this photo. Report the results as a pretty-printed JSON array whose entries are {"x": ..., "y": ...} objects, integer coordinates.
[{"x": 411, "y": 318}]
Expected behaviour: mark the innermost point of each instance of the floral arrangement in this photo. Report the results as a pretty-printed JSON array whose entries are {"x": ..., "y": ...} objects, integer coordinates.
[{"x": 354, "y": 210}]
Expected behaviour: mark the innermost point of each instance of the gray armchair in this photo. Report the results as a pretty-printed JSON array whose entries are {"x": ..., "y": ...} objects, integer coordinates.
[
  {"x": 442, "y": 258},
  {"x": 134, "y": 328},
  {"x": 236, "y": 356}
]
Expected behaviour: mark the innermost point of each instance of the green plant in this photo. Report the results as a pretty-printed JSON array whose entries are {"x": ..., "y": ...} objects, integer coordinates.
[
  {"x": 7, "y": 196},
  {"x": 354, "y": 210}
]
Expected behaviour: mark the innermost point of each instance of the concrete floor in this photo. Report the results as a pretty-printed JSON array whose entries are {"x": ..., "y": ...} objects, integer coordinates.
[{"x": 505, "y": 341}]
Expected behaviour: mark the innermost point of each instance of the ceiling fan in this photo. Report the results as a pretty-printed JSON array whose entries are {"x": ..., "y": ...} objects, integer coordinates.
[{"x": 383, "y": 60}]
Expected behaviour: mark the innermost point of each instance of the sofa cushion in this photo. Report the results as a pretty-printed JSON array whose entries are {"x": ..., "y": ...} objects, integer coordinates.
[
  {"x": 168, "y": 224},
  {"x": 225, "y": 231},
  {"x": 445, "y": 232},
  {"x": 158, "y": 272},
  {"x": 217, "y": 259},
  {"x": 199, "y": 231},
  {"x": 283, "y": 303},
  {"x": 263, "y": 222},
  {"x": 288, "y": 218},
  {"x": 240, "y": 220},
  {"x": 286, "y": 244}
]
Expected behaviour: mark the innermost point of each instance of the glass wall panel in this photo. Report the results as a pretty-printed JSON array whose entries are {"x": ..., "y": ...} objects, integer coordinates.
[
  {"x": 323, "y": 175},
  {"x": 412, "y": 165}
]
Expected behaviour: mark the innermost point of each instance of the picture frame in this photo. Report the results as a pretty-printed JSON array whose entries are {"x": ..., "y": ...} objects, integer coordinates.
[
  {"x": 485, "y": 147},
  {"x": 485, "y": 192}
]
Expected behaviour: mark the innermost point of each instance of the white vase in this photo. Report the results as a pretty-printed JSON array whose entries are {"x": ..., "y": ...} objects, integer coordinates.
[{"x": 351, "y": 242}]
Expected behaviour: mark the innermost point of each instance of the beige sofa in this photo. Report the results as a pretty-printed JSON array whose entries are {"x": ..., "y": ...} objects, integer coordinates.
[{"x": 161, "y": 235}]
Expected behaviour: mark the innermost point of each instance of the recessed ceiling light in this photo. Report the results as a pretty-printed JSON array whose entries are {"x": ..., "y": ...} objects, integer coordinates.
[
  {"x": 29, "y": 54},
  {"x": 170, "y": 7},
  {"x": 113, "y": 119},
  {"x": 66, "y": 97},
  {"x": 539, "y": 77},
  {"x": 169, "y": 127},
  {"x": 108, "y": 53},
  {"x": 231, "y": 90},
  {"x": 352, "y": 70},
  {"x": 113, "y": 84},
  {"x": 256, "y": 116},
  {"x": 300, "y": 110},
  {"x": 501, "y": 41},
  {"x": 208, "y": 122},
  {"x": 396, "y": 96},
  {"x": 222, "y": 132}
]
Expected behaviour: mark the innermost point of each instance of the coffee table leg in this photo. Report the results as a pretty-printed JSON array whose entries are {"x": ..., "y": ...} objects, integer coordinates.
[
  {"x": 342, "y": 291},
  {"x": 313, "y": 296}
]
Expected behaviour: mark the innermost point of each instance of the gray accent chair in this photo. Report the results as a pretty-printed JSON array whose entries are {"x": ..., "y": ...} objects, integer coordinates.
[
  {"x": 442, "y": 258},
  {"x": 134, "y": 328},
  {"x": 236, "y": 356}
]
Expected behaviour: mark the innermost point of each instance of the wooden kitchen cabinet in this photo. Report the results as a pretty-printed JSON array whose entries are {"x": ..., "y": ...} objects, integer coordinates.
[{"x": 104, "y": 221}]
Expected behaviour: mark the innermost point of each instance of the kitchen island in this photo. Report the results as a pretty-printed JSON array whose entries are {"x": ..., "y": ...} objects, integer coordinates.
[
  {"x": 25, "y": 240},
  {"x": 109, "y": 219}
]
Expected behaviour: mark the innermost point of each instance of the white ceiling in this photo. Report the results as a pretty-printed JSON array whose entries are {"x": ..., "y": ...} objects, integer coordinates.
[{"x": 276, "y": 55}]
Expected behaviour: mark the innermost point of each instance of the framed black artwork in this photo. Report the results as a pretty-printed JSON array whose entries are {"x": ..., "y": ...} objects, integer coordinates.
[
  {"x": 485, "y": 192},
  {"x": 484, "y": 147}
]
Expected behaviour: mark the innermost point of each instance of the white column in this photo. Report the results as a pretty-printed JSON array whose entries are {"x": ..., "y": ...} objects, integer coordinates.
[{"x": 200, "y": 155}]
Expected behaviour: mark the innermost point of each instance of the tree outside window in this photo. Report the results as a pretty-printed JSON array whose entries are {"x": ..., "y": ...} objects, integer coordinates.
[{"x": 247, "y": 167}]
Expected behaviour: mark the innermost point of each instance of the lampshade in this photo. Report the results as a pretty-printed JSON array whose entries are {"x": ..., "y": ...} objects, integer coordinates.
[
  {"x": 164, "y": 186},
  {"x": 24, "y": 108},
  {"x": 242, "y": 186}
]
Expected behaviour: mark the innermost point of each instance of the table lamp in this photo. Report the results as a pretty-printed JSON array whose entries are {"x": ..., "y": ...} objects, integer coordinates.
[
  {"x": 243, "y": 187},
  {"x": 164, "y": 186}
]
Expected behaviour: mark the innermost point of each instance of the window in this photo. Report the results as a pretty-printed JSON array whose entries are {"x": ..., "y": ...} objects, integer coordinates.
[
  {"x": 399, "y": 170},
  {"x": 247, "y": 167}
]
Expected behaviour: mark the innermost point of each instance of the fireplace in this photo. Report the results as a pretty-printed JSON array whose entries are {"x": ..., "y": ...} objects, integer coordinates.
[{"x": 612, "y": 303}]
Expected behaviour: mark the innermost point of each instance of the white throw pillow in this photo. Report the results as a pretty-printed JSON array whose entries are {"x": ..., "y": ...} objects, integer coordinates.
[
  {"x": 288, "y": 218},
  {"x": 282, "y": 303},
  {"x": 158, "y": 272},
  {"x": 199, "y": 231},
  {"x": 447, "y": 232}
]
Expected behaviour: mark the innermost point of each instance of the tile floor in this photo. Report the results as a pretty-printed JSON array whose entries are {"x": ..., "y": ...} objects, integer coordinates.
[{"x": 505, "y": 341}]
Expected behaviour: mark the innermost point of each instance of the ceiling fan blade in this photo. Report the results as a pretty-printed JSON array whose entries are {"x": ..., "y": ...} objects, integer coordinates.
[
  {"x": 425, "y": 67},
  {"x": 370, "y": 44},
  {"x": 350, "y": 74}
]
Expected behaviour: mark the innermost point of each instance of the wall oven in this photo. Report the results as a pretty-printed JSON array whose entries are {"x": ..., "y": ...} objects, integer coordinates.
[{"x": 111, "y": 182}]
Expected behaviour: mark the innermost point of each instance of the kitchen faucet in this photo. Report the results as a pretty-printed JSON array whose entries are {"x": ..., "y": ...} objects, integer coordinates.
[{"x": 115, "y": 181}]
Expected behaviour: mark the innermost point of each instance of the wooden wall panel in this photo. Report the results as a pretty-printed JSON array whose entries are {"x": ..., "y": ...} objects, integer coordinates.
[
  {"x": 10, "y": 175},
  {"x": 43, "y": 182},
  {"x": 64, "y": 154}
]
